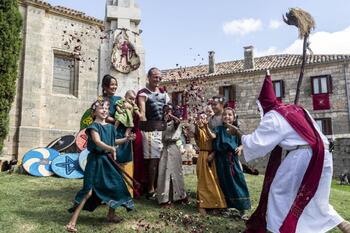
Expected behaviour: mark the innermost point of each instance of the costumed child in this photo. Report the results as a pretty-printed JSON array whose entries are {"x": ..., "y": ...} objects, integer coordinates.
[
  {"x": 231, "y": 177},
  {"x": 209, "y": 194},
  {"x": 103, "y": 182},
  {"x": 217, "y": 104},
  {"x": 125, "y": 109},
  {"x": 170, "y": 185},
  {"x": 186, "y": 147}
]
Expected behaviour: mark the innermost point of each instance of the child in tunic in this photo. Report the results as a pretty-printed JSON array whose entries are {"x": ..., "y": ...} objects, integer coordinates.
[
  {"x": 231, "y": 178},
  {"x": 125, "y": 109},
  {"x": 103, "y": 183},
  {"x": 170, "y": 185},
  {"x": 209, "y": 194}
]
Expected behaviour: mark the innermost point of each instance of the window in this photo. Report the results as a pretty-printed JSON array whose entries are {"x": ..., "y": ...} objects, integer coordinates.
[
  {"x": 325, "y": 125},
  {"x": 65, "y": 74},
  {"x": 177, "y": 98},
  {"x": 321, "y": 84},
  {"x": 229, "y": 93},
  {"x": 278, "y": 86}
]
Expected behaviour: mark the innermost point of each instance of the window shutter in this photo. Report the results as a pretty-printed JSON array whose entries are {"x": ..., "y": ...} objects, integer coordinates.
[
  {"x": 328, "y": 126},
  {"x": 312, "y": 86},
  {"x": 221, "y": 91},
  {"x": 232, "y": 93},
  {"x": 282, "y": 88},
  {"x": 330, "y": 84}
]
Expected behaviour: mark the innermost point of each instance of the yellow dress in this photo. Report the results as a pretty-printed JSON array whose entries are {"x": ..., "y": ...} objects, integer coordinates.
[{"x": 209, "y": 194}]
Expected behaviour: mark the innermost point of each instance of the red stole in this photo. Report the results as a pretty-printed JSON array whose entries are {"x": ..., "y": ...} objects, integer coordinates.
[{"x": 301, "y": 122}]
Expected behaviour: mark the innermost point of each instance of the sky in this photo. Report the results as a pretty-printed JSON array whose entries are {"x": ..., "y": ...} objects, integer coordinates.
[{"x": 180, "y": 33}]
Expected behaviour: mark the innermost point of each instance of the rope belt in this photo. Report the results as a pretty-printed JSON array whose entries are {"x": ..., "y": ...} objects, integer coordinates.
[{"x": 300, "y": 147}]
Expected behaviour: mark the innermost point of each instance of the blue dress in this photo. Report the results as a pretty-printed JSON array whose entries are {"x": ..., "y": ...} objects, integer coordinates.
[
  {"x": 230, "y": 174},
  {"x": 101, "y": 176}
]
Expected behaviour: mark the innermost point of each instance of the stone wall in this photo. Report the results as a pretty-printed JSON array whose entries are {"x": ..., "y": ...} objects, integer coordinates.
[
  {"x": 341, "y": 156},
  {"x": 38, "y": 115}
]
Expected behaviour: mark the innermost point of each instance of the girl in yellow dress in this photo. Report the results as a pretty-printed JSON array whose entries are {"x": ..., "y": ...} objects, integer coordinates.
[{"x": 209, "y": 194}]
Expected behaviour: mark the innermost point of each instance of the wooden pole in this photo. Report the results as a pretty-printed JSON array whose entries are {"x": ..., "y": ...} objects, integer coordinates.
[{"x": 301, "y": 75}]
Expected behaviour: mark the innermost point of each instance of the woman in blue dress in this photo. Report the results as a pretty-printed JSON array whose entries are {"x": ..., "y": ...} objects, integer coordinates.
[{"x": 125, "y": 154}]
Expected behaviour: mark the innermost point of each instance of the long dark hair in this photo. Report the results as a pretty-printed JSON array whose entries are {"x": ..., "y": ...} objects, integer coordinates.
[{"x": 106, "y": 81}]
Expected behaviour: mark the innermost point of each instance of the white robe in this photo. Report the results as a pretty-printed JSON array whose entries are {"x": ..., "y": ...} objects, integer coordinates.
[{"x": 318, "y": 216}]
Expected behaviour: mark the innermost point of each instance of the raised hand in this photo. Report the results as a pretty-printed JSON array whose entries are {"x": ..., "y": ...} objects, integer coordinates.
[{"x": 239, "y": 150}]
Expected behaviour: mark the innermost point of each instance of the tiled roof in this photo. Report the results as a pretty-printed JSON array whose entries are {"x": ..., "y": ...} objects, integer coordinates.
[
  {"x": 261, "y": 63},
  {"x": 63, "y": 10}
]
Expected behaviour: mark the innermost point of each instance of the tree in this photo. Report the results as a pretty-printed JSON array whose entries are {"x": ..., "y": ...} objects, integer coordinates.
[{"x": 10, "y": 45}]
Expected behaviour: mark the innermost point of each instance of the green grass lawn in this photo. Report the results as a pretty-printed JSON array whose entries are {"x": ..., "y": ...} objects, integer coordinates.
[{"x": 30, "y": 204}]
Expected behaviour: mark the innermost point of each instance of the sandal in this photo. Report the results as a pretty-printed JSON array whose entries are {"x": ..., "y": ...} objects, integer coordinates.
[
  {"x": 114, "y": 219},
  {"x": 71, "y": 228},
  {"x": 167, "y": 205},
  {"x": 151, "y": 196}
]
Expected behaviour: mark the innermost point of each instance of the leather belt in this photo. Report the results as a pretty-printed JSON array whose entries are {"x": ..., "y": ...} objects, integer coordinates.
[{"x": 149, "y": 126}]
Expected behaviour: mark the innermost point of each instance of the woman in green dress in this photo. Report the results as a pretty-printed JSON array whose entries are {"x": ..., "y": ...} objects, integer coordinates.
[
  {"x": 231, "y": 178},
  {"x": 125, "y": 154},
  {"x": 103, "y": 183}
]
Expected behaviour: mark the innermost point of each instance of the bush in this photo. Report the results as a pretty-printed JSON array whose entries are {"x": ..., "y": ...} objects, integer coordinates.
[{"x": 10, "y": 45}]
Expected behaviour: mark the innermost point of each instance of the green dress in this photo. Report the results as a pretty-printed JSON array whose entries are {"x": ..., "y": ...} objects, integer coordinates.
[
  {"x": 231, "y": 178},
  {"x": 100, "y": 175}
]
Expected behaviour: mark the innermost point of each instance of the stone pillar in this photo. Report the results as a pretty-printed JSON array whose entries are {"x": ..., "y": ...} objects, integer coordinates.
[
  {"x": 122, "y": 14},
  {"x": 249, "y": 57},
  {"x": 211, "y": 62}
]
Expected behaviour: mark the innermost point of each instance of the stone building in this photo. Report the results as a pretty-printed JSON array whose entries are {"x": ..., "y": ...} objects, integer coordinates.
[
  {"x": 60, "y": 71},
  {"x": 324, "y": 91}
]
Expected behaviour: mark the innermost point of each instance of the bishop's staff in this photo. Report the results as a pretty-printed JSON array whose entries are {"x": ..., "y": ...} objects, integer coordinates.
[{"x": 305, "y": 23}]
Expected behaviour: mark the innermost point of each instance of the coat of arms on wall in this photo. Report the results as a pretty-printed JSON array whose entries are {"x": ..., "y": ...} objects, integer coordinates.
[{"x": 124, "y": 57}]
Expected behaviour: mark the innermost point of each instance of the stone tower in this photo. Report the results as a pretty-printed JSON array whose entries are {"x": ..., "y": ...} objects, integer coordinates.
[{"x": 125, "y": 63}]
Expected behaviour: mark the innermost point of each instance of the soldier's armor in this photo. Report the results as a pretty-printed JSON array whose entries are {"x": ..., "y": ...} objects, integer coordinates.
[{"x": 154, "y": 106}]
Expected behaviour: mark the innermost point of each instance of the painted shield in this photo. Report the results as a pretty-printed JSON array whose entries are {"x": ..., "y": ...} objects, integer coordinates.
[
  {"x": 37, "y": 162},
  {"x": 67, "y": 166},
  {"x": 81, "y": 140},
  {"x": 83, "y": 158},
  {"x": 64, "y": 143},
  {"x": 86, "y": 119},
  {"x": 53, "y": 142}
]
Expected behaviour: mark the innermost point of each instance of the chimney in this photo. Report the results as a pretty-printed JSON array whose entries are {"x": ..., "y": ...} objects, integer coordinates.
[
  {"x": 249, "y": 57},
  {"x": 211, "y": 62}
]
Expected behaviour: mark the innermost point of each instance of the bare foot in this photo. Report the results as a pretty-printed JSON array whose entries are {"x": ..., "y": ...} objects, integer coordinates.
[{"x": 71, "y": 228}]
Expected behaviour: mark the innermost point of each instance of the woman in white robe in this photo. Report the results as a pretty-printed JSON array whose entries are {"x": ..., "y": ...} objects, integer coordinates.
[{"x": 318, "y": 216}]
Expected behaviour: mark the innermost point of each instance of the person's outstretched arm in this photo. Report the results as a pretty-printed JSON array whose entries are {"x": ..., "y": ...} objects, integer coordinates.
[{"x": 259, "y": 143}]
